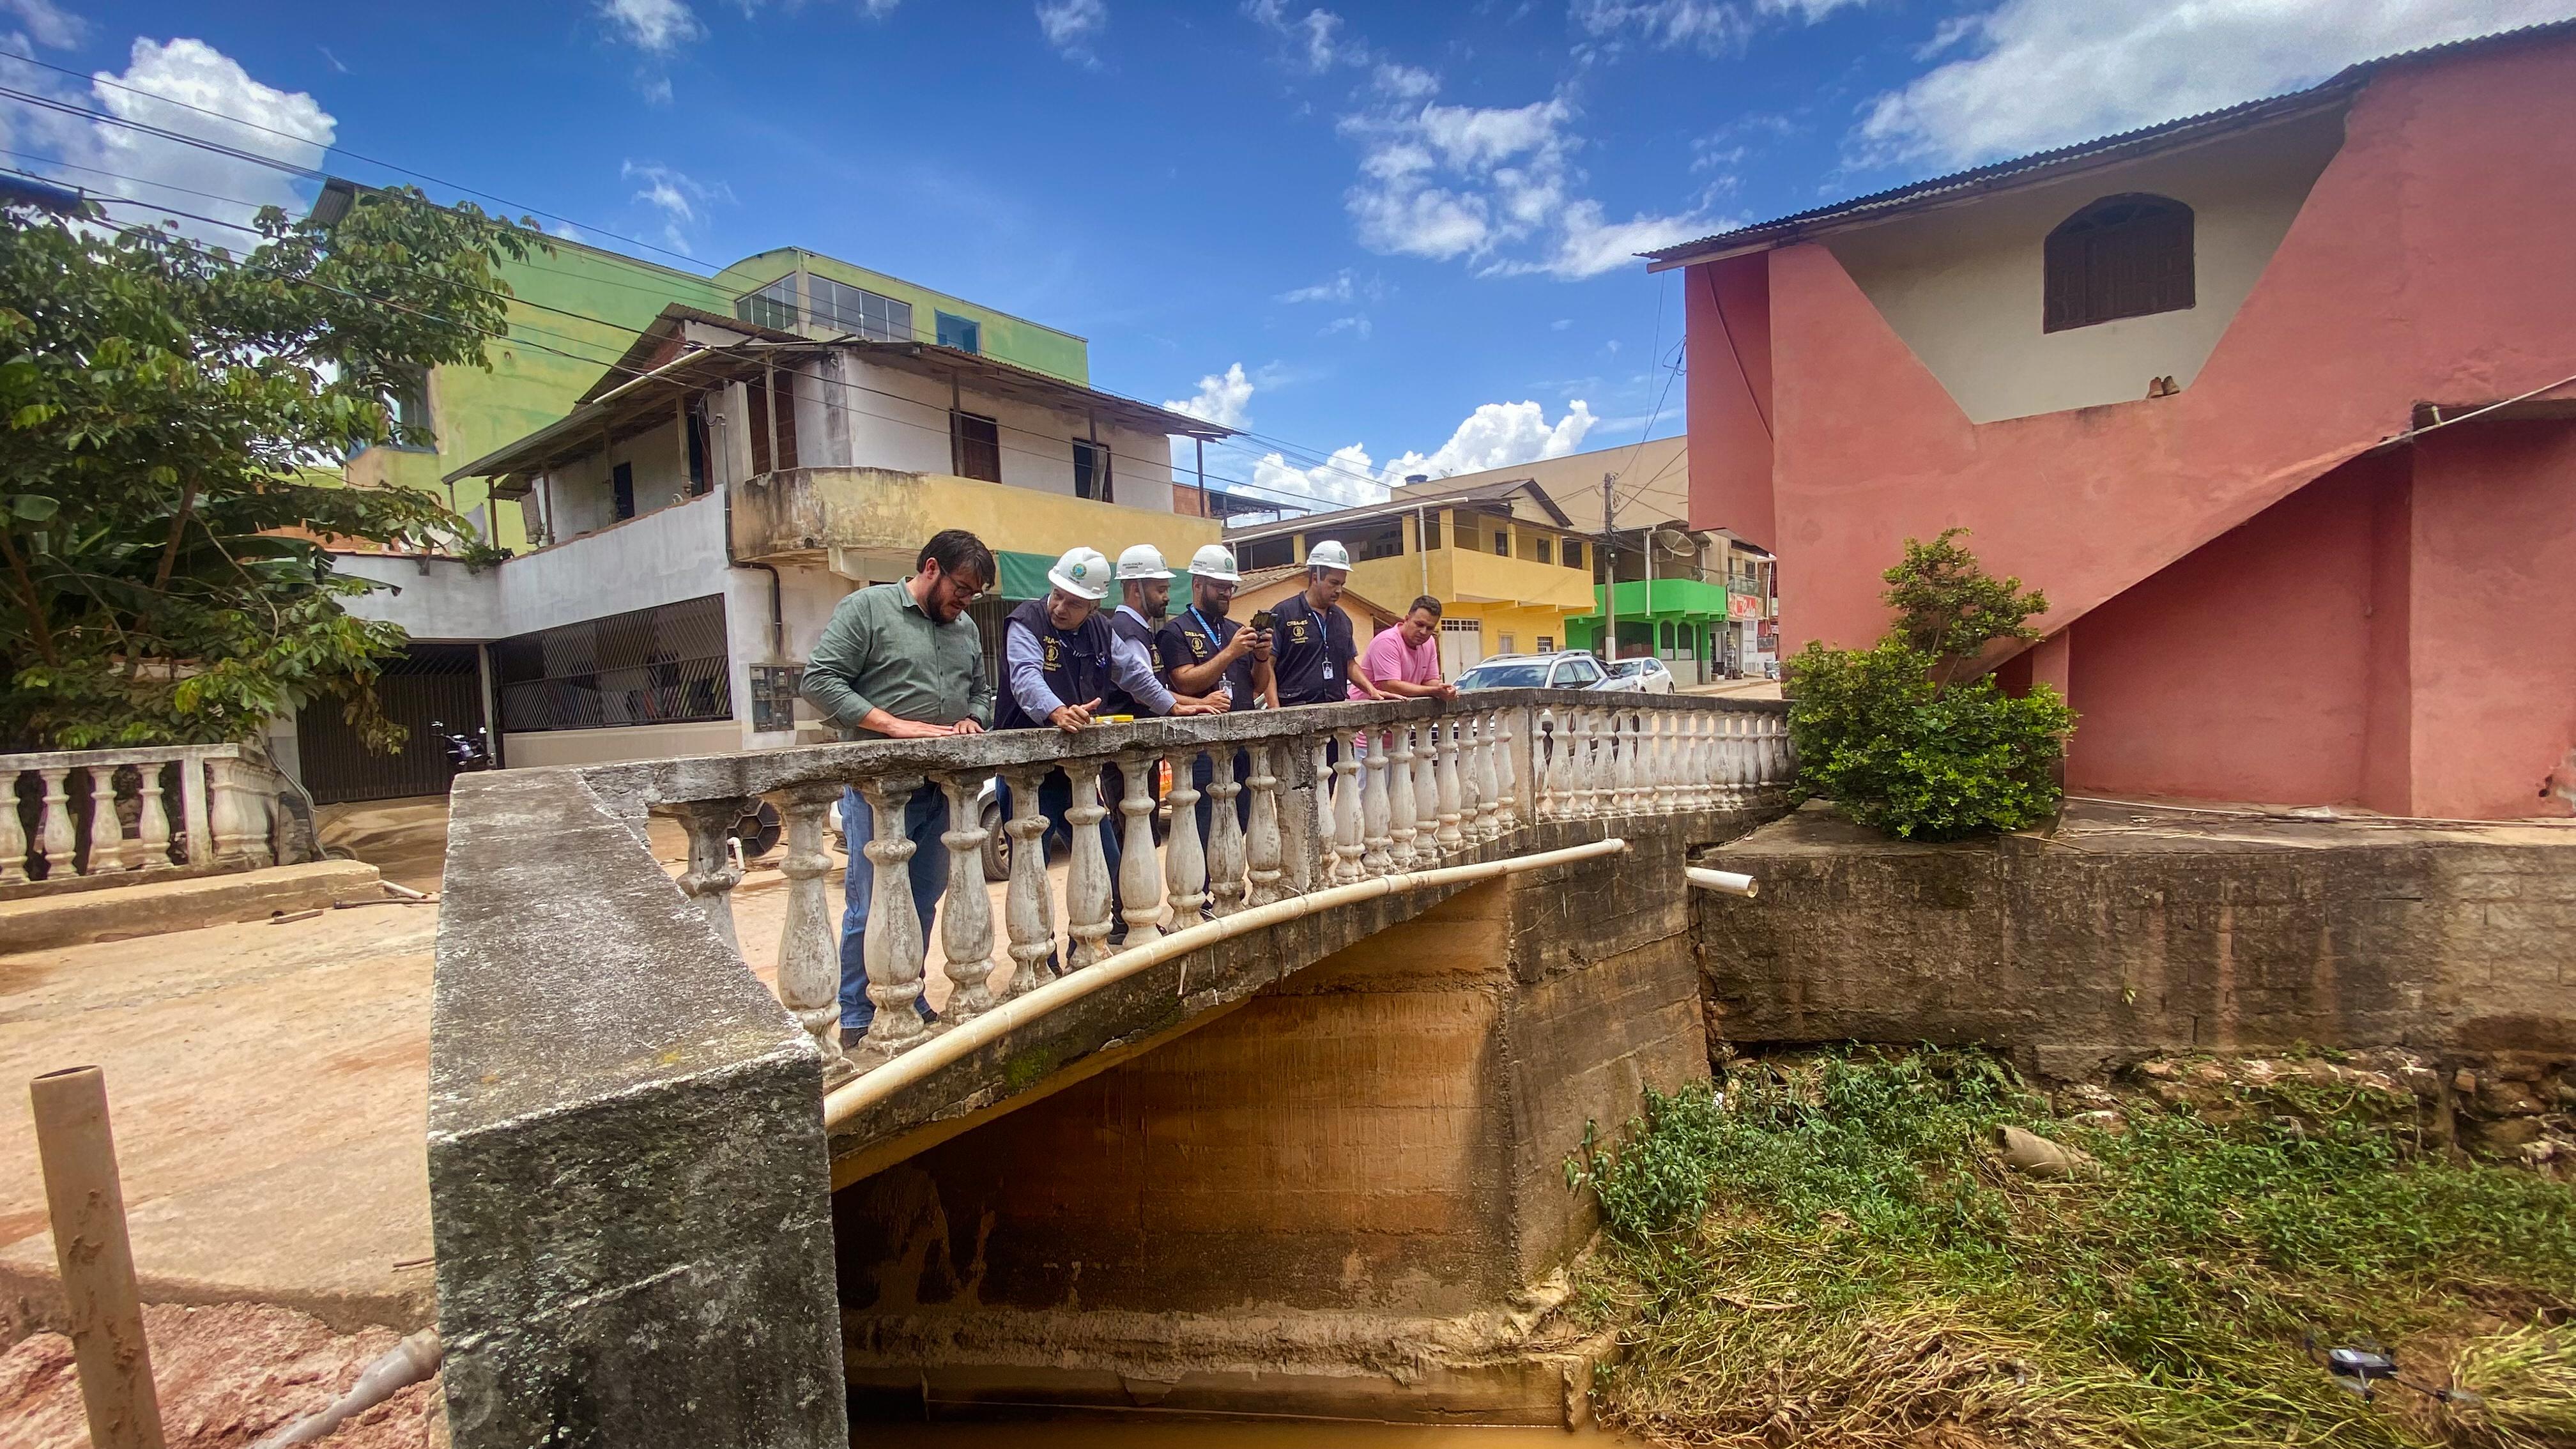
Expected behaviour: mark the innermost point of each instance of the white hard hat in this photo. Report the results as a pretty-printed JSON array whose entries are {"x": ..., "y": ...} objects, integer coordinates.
[
  {"x": 1144, "y": 561},
  {"x": 1082, "y": 572},
  {"x": 1214, "y": 561},
  {"x": 1329, "y": 555}
]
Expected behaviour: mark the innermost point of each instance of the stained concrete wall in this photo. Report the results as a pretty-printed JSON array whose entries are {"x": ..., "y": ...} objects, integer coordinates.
[
  {"x": 1360, "y": 1165},
  {"x": 2112, "y": 939}
]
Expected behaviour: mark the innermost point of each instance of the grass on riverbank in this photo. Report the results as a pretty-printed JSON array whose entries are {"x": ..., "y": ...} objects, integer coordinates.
[{"x": 1833, "y": 1253}]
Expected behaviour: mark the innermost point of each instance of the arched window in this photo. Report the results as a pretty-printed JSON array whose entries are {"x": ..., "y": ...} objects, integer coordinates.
[{"x": 2122, "y": 256}]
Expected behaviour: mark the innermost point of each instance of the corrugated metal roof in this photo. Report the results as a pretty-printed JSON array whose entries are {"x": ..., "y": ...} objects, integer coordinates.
[{"x": 2024, "y": 170}]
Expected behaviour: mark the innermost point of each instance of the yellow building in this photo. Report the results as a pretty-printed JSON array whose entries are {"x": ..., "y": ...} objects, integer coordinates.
[{"x": 1508, "y": 566}]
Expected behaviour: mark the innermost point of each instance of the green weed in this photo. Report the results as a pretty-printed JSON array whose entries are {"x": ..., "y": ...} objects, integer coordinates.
[{"x": 1833, "y": 1253}]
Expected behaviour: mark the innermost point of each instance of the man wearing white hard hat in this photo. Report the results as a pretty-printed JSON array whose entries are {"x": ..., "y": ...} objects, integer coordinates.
[
  {"x": 1203, "y": 652},
  {"x": 1058, "y": 666},
  {"x": 1145, "y": 592},
  {"x": 1314, "y": 645}
]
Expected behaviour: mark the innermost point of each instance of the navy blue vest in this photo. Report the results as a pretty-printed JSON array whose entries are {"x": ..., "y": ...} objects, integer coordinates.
[
  {"x": 1127, "y": 626},
  {"x": 1076, "y": 663}
]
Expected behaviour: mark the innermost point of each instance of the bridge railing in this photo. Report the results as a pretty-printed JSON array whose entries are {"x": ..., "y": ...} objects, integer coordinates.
[{"x": 1298, "y": 800}]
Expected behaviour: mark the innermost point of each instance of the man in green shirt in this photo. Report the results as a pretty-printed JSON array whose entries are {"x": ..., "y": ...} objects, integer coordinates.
[{"x": 902, "y": 661}]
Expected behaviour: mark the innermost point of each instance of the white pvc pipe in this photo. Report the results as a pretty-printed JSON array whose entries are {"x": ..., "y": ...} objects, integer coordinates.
[
  {"x": 852, "y": 1098},
  {"x": 1724, "y": 882}
]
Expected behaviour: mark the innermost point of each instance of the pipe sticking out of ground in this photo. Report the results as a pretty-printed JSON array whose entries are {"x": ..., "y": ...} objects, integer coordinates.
[
  {"x": 86, "y": 1203},
  {"x": 1724, "y": 882},
  {"x": 852, "y": 1098},
  {"x": 396, "y": 1369}
]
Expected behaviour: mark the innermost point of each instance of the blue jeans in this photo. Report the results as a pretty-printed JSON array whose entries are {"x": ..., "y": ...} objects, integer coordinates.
[{"x": 925, "y": 816}]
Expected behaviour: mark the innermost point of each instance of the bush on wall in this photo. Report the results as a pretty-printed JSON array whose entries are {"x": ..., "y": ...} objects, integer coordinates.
[{"x": 1900, "y": 737}]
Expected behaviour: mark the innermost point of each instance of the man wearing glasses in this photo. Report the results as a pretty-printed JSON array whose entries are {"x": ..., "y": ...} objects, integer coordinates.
[
  {"x": 902, "y": 662},
  {"x": 1203, "y": 652}
]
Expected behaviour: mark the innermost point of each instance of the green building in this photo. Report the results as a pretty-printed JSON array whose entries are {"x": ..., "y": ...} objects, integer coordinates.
[{"x": 578, "y": 309}]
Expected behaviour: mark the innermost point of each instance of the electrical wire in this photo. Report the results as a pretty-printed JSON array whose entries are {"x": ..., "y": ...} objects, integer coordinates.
[
  {"x": 612, "y": 365},
  {"x": 1289, "y": 451}
]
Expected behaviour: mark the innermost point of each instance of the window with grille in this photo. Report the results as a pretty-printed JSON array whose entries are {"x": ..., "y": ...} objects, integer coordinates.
[
  {"x": 978, "y": 446},
  {"x": 663, "y": 665},
  {"x": 756, "y": 395},
  {"x": 2122, "y": 256},
  {"x": 1502, "y": 543},
  {"x": 1545, "y": 550}
]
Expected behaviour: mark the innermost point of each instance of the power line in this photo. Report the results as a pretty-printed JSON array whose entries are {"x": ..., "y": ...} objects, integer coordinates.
[{"x": 618, "y": 365}]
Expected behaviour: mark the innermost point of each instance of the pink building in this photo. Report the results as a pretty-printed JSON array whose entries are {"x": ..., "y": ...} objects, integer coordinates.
[{"x": 2275, "y": 403}]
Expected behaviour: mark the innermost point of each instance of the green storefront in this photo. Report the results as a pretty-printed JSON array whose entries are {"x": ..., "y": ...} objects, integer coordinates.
[{"x": 1675, "y": 620}]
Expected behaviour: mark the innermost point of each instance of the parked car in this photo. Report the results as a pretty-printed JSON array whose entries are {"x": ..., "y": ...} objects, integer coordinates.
[
  {"x": 1650, "y": 675},
  {"x": 1569, "y": 670}
]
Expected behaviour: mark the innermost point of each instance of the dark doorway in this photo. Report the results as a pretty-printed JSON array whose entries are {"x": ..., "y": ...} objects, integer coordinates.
[{"x": 428, "y": 682}]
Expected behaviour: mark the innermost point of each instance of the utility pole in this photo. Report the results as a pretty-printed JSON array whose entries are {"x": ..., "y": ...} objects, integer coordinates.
[{"x": 1609, "y": 575}]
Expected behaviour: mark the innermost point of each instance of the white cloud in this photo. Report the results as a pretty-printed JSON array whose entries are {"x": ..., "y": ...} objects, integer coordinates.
[
  {"x": 2042, "y": 73},
  {"x": 1335, "y": 288},
  {"x": 878, "y": 9},
  {"x": 1071, "y": 25},
  {"x": 1357, "y": 324},
  {"x": 657, "y": 27},
  {"x": 47, "y": 25},
  {"x": 1222, "y": 398},
  {"x": 199, "y": 75},
  {"x": 1714, "y": 26},
  {"x": 1500, "y": 435},
  {"x": 1492, "y": 184},
  {"x": 1314, "y": 38},
  {"x": 681, "y": 199},
  {"x": 1406, "y": 82}
]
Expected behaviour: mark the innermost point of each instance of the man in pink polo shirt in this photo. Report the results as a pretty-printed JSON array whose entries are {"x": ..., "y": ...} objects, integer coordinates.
[{"x": 1404, "y": 660}]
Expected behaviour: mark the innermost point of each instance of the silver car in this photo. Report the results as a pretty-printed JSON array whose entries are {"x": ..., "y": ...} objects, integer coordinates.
[
  {"x": 1572, "y": 669},
  {"x": 1648, "y": 675}
]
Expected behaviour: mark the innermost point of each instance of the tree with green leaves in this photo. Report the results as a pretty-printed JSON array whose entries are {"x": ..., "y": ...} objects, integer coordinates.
[
  {"x": 1900, "y": 737},
  {"x": 172, "y": 418}
]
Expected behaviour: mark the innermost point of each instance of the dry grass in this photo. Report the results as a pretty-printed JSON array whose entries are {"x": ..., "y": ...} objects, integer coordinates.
[{"x": 2525, "y": 1382}]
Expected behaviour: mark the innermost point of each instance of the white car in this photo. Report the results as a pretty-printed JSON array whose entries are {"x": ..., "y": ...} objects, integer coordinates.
[
  {"x": 1572, "y": 669},
  {"x": 1648, "y": 675}
]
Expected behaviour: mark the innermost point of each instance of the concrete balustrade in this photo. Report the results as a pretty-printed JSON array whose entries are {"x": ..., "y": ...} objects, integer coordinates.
[
  {"x": 1384, "y": 788},
  {"x": 194, "y": 810}
]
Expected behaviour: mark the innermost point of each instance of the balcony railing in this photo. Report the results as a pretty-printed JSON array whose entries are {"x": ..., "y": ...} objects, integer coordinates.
[{"x": 1326, "y": 796}]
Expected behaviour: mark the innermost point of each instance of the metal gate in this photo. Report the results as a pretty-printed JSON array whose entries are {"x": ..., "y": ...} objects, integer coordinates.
[{"x": 426, "y": 683}]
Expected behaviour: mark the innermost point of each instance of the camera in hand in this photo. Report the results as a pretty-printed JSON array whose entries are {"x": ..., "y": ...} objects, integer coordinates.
[{"x": 1262, "y": 620}]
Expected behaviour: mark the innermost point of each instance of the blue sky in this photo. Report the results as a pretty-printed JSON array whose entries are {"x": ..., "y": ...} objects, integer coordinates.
[{"x": 1398, "y": 231}]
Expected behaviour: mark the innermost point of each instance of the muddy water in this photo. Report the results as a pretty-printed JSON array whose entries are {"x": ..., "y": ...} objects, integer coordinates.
[{"x": 1181, "y": 1433}]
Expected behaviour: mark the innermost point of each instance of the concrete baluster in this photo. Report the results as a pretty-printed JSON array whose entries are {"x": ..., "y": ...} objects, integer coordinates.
[
  {"x": 1322, "y": 823},
  {"x": 809, "y": 943},
  {"x": 892, "y": 947},
  {"x": 1449, "y": 835},
  {"x": 1695, "y": 761},
  {"x": 1739, "y": 759},
  {"x": 966, "y": 910},
  {"x": 106, "y": 832},
  {"x": 1668, "y": 780},
  {"x": 1349, "y": 817},
  {"x": 13, "y": 837},
  {"x": 1507, "y": 798},
  {"x": 1086, "y": 884},
  {"x": 54, "y": 826},
  {"x": 196, "y": 816},
  {"x": 1301, "y": 833},
  {"x": 237, "y": 836},
  {"x": 1426, "y": 795},
  {"x": 1489, "y": 777},
  {"x": 712, "y": 872},
  {"x": 1185, "y": 863},
  {"x": 1574, "y": 762},
  {"x": 1225, "y": 843},
  {"x": 1262, "y": 858},
  {"x": 1471, "y": 771},
  {"x": 1632, "y": 761},
  {"x": 1028, "y": 906},
  {"x": 1140, "y": 875},
  {"x": 1784, "y": 753},
  {"x": 1400, "y": 829},
  {"x": 151, "y": 817},
  {"x": 1376, "y": 811}
]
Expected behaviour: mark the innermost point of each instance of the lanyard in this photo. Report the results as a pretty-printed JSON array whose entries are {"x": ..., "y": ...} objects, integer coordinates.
[{"x": 1214, "y": 638}]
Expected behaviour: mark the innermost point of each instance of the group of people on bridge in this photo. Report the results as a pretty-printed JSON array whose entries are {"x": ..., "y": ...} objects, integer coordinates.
[{"x": 903, "y": 661}]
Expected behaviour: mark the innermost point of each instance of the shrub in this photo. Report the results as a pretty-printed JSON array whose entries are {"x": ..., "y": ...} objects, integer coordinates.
[{"x": 1896, "y": 739}]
